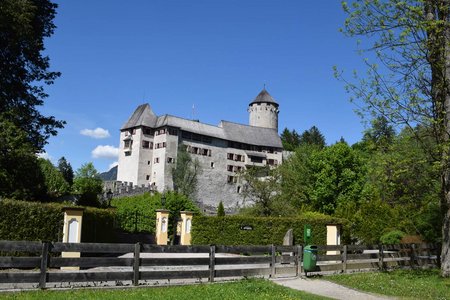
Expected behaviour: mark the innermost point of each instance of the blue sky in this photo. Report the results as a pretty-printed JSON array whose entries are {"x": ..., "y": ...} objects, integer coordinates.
[{"x": 215, "y": 55}]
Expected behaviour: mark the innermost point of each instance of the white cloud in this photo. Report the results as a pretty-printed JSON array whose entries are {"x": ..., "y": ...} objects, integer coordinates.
[
  {"x": 112, "y": 165},
  {"x": 106, "y": 151},
  {"x": 97, "y": 133},
  {"x": 44, "y": 155}
]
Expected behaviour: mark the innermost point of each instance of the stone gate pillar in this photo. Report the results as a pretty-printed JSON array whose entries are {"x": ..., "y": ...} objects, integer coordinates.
[
  {"x": 162, "y": 225},
  {"x": 186, "y": 225}
]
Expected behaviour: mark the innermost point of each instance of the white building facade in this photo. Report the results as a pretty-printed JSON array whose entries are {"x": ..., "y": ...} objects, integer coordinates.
[{"x": 149, "y": 146}]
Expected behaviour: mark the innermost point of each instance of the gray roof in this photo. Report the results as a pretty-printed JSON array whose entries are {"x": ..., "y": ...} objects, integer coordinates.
[
  {"x": 264, "y": 97},
  {"x": 142, "y": 116},
  {"x": 252, "y": 135},
  {"x": 259, "y": 136}
]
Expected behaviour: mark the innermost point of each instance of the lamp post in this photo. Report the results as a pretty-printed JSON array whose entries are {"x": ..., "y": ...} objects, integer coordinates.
[{"x": 163, "y": 200}]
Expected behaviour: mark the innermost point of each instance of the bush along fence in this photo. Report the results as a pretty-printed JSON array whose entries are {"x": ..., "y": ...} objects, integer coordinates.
[{"x": 42, "y": 265}]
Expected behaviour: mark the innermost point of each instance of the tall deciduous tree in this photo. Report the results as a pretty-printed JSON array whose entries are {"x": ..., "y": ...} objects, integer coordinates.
[
  {"x": 411, "y": 40},
  {"x": 88, "y": 185},
  {"x": 24, "y": 70},
  {"x": 55, "y": 183}
]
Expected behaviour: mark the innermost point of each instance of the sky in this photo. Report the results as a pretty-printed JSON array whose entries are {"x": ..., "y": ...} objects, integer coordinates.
[{"x": 198, "y": 59}]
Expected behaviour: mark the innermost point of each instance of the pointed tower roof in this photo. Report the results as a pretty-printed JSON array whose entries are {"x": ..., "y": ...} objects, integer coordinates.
[
  {"x": 142, "y": 116},
  {"x": 264, "y": 97}
]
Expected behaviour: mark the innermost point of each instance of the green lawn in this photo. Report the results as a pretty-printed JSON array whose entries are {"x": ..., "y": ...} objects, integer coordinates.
[
  {"x": 409, "y": 284},
  {"x": 244, "y": 289}
]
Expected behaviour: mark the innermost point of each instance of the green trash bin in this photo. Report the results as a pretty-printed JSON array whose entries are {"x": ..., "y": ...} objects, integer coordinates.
[{"x": 309, "y": 258}]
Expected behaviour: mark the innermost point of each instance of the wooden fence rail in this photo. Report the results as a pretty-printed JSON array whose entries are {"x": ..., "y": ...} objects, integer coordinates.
[{"x": 42, "y": 263}]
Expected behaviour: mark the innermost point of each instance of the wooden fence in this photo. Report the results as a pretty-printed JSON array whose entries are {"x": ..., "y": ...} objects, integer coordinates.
[{"x": 40, "y": 263}]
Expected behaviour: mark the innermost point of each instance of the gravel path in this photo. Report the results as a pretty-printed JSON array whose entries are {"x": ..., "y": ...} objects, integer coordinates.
[{"x": 327, "y": 289}]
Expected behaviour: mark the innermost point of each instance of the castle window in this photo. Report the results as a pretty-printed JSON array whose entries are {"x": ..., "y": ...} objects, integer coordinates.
[
  {"x": 207, "y": 139},
  {"x": 147, "y": 177},
  {"x": 146, "y": 144},
  {"x": 148, "y": 162},
  {"x": 238, "y": 157},
  {"x": 170, "y": 160},
  {"x": 230, "y": 179},
  {"x": 212, "y": 165},
  {"x": 127, "y": 153},
  {"x": 147, "y": 131},
  {"x": 173, "y": 131},
  {"x": 204, "y": 152},
  {"x": 255, "y": 159},
  {"x": 238, "y": 189},
  {"x": 164, "y": 144},
  {"x": 209, "y": 152},
  {"x": 230, "y": 168},
  {"x": 128, "y": 143},
  {"x": 230, "y": 156},
  {"x": 156, "y": 160}
]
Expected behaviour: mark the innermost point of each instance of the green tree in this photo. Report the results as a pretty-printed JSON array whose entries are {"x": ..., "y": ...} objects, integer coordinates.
[
  {"x": 290, "y": 140},
  {"x": 55, "y": 184},
  {"x": 24, "y": 70},
  {"x": 220, "y": 210},
  {"x": 297, "y": 179},
  {"x": 88, "y": 185},
  {"x": 20, "y": 176},
  {"x": 339, "y": 175},
  {"x": 411, "y": 85},
  {"x": 185, "y": 173},
  {"x": 312, "y": 136},
  {"x": 66, "y": 170}
]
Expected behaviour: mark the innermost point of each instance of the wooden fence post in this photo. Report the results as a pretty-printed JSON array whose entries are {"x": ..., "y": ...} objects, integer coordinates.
[
  {"x": 272, "y": 264},
  {"x": 413, "y": 256},
  {"x": 344, "y": 259},
  {"x": 300, "y": 259},
  {"x": 212, "y": 262},
  {"x": 381, "y": 256},
  {"x": 136, "y": 263},
  {"x": 44, "y": 264}
]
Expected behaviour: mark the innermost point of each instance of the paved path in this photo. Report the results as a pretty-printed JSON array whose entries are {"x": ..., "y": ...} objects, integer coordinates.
[{"x": 326, "y": 288}]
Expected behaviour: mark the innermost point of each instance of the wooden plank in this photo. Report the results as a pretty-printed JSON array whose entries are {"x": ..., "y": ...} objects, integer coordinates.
[
  {"x": 174, "y": 274},
  {"x": 136, "y": 262},
  {"x": 20, "y": 262},
  {"x": 287, "y": 270},
  {"x": 243, "y": 272},
  {"x": 212, "y": 262},
  {"x": 362, "y": 256},
  {"x": 25, "y": 246},
  {"x": 243, "y": 260},
  {"x": 361, "y": 247},
  {"x": 32, "y": 277},
  {"x": 243, "y": 249},
  {"x": 285, "y": 248},
  {"x": 329, "y": 247},
  {"x": 44, "y": 264},
  {"x": 329, "y": 257},
  {"x": 328, "y": 267},
  {"x": 176, "y": 261},
  {"x": 174, "y": 249},
  {"x": 93, "y": 247},
  {"x": 90, "y": 262},
  {"x": 88, "y": 276}
]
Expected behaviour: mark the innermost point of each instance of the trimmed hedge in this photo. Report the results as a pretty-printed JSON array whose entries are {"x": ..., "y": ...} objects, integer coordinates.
[
  {"x": 35, "y": 221},
  {"x": 265, "y": 230},
  {"x": 30, "y": 221}
]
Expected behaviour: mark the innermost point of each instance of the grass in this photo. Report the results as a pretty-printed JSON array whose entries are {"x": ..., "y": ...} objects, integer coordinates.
[
  {"x": 244, "y": 289},
  {"x": 409, "y": 284}
]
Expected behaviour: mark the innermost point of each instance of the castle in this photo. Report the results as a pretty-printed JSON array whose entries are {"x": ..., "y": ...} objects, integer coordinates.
[{"x": 149, "y": 146}]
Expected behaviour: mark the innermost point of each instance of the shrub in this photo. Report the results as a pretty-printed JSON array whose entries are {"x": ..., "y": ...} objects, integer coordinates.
[
  {"x": 229, "y": 230},
  {"x": 392, "y": 237}
]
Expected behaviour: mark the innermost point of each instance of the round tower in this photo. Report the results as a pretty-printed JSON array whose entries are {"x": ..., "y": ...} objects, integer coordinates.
[{"x": 263, "y": 111}]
